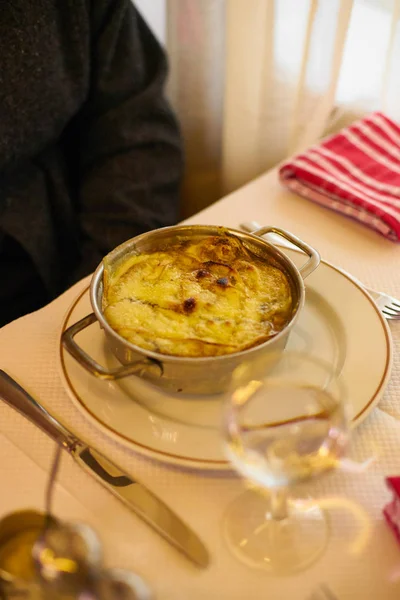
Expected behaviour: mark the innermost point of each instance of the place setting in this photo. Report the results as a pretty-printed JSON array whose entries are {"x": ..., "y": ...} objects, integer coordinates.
[
  {"x": 236, "y": 355},
  {"x": 185, "y": 430}
]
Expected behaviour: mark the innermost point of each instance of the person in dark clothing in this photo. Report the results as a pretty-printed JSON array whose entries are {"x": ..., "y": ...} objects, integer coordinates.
[{"x": 90, "y": 151}]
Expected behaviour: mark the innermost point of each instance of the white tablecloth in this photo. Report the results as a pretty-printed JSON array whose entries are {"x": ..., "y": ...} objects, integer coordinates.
[{"x": 362, "y": 560}]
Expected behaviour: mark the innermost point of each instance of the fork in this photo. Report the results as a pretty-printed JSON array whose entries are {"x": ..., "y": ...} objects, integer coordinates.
[
  {"x": 388, "y": 305},
  {"x": 323, "y": 592}
]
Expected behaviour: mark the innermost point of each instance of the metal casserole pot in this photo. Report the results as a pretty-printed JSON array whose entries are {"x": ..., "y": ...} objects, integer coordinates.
[{"x": 190, "y": 375}]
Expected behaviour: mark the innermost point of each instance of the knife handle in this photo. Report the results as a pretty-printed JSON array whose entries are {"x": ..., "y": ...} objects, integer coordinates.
[{"x": 19, "y": 399}]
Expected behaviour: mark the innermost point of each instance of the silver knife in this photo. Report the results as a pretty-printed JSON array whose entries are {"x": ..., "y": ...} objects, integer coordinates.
[{"x": 132, "y": 493}]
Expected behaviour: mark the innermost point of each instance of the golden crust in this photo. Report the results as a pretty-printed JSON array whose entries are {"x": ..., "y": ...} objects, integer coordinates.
[{"x": 194, "y": 299}]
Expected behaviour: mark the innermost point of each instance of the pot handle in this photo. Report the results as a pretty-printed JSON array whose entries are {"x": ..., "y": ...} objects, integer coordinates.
[
  {"x": 88, "y": 363},
  {"x": 314, "y": 256}
]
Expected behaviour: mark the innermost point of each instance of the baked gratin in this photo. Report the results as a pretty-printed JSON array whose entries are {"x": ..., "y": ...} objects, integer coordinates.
[{"x": 197, "y": 298}]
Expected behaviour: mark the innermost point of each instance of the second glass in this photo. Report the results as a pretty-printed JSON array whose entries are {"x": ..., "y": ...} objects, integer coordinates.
[{"x": 286, "y": 425}]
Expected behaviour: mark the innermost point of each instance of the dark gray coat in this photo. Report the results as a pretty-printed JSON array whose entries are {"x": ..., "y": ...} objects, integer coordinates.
[{"x": 90, "y": 153}]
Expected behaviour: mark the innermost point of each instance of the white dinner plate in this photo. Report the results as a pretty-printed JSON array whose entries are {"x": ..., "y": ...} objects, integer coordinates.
[{"x": 340, "y": 323}]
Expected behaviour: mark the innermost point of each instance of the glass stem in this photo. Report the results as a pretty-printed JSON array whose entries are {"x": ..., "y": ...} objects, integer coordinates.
[
  {"x": 279, "y": 508},
  {"x": 51, "y": 483}
]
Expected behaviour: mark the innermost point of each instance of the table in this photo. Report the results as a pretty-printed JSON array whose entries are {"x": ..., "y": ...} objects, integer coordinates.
[{"x": 362, "y": 560}]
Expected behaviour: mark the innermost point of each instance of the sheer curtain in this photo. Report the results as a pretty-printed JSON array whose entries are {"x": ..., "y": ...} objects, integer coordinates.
[{"x": 254, "y": 81}]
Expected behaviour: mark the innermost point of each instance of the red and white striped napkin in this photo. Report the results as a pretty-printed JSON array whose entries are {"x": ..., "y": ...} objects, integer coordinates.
[{"x": 355, "y": 172}]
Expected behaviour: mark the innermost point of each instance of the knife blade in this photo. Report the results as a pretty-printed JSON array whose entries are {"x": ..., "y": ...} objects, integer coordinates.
[{"x": 129, "y": 491}]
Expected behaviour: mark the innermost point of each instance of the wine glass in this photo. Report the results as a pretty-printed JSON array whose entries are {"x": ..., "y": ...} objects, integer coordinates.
[{"x": 285, "y": 421}]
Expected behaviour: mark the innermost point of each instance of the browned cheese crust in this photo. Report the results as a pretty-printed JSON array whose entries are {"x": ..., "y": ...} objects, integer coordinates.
[{"x": 196, "y": 299}]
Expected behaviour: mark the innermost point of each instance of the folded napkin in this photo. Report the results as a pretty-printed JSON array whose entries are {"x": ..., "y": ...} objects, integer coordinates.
[
  {"x": 355, "y": 172},
  {"x": 392, "y": 510}
]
